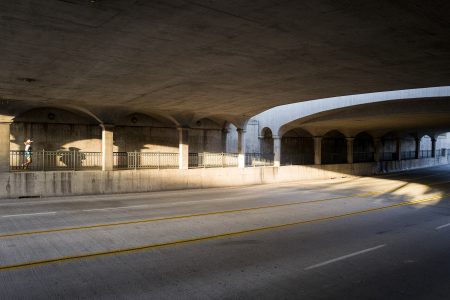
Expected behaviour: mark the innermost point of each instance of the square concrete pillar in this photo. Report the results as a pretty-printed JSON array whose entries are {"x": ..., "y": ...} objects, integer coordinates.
[
  {"x": 4, "y": 146},
  {"x": 433, "y": 147},
  {"x": 224, "y": 140},
  {"x": 107, "y": 147},
  {"x": 377, "y": 149},
  {"x": 399, "y": 149},
  {"x": 183, "y": 148},
  {"x": 276, "y": 151},
  {"x": 350, "y": 141},
  {"x": 241, "y": 147},
  {"x": 417, "y": 152},
  {"x": 317, "y": 150}
]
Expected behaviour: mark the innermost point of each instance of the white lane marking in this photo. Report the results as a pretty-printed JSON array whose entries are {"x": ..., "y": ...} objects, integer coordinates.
[
  {"x": 442, "y": 226},
  {"x": 120, "y": 207},
  {"x": 34, "y": 214},
  {"x": 344, "y": 257}
]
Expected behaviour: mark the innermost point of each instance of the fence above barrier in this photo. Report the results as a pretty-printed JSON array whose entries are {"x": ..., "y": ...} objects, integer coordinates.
[{"x": 45, "y": 160}]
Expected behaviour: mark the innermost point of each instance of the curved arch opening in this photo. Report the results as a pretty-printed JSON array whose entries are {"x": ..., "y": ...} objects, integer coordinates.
[
  {"x": 266, "y": 143},
  {"x": 363, "y": 148},
  {"x": 334, "y": 148},
  {"x": 297, "y": 147}
]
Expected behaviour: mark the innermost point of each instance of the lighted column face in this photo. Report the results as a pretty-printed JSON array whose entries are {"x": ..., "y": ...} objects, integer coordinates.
[{"x": 4, "y": 146}]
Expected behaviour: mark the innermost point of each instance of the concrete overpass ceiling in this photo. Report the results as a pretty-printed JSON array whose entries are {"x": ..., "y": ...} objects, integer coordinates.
[
  {"x": 417, "y": 114},
  {"x": 227, "y": 58}
]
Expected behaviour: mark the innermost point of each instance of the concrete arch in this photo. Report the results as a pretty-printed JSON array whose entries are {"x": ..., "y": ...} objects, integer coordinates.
[
  {"x": 266, "y": 142},
  {"x": 280, "y": 116},
  {"x": 363, "y": 147},
  {"x": 297, "y": 147},
  {"x": 57, "y": 128},
  {"x": 334, "y": 147}
]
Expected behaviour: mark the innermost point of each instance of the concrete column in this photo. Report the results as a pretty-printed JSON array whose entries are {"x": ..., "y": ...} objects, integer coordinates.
[
  {"x": 350, "y": 141},
  {"x": 107, "y": 147},
  {"x": 276, "y": 151},
  {"x": 317, "y": 150},
  {"x": 183, "y": 150},
  {"x": 378, "y": 149},
  {"x": 241, "y": 147},
  {"x": 433, "y": 147},
  {"x": 399, "y": 149},
  {"x": 4, "y": 146},
  {"x": 417, "y": 148},
  {"x": 224, "y": 140}
]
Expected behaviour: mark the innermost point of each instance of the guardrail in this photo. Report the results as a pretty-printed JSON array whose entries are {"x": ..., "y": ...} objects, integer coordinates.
[
  {"x": 213, "y": 160},
  {"x": 259, "y": 159},
  {"x": 363, "y": 156},
  {"x": 145, "y": 160},
  {"x": 45, "y": 160},
  {"x": 334, "y": 158}
]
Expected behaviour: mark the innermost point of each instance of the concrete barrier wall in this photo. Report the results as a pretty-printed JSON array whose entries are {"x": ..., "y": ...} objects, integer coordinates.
[{"x": 65, "y": 183}]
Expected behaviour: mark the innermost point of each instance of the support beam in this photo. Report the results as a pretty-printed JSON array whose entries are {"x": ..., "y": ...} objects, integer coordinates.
[
  {"x": 350, "y": 141},
  {"x": 399, "y": 148},
  {"x": 4, "y": 146},
  {"x": 417, "y": 154},
  {"x": 224, "y": 140},
  {"x": 317, "y": 150},
  {"x": 241, "y": 147},
  {"x": 433, "y": 147},
  {"x": 107, "y": 147},
  {"x": 378, "y": 147},
  {"x": 183, "y": 148},
  {"x": 276, "y": 151}
]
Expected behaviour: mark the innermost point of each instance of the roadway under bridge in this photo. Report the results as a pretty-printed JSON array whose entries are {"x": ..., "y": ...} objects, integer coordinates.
[{"x": 300, "y": 116}]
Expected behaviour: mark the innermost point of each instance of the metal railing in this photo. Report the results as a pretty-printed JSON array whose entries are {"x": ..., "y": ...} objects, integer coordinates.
[
  {"x": 259, "y": 159},
  {"x": 425, "y": 153},
  {"x": 406, "y": 155},
  {"x": 388, "y": 156},
  {"x": 289, "y": 159},
  {"x": 45, "y": 160},
  {"x": 363, "y": 156},
  {"x": 334, "y": 158},
  {"x": 213, "y": 160},
  {"x": 145, "y": 160}
]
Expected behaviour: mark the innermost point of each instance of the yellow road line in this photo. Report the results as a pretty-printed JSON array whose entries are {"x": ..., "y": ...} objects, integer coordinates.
[
  {"x": 181, "y": 216},
  {"x": 212, "y": 237}
]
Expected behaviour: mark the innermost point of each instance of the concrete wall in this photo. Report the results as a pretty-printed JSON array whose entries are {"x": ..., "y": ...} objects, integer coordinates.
[{"x": 27, "y": 184}]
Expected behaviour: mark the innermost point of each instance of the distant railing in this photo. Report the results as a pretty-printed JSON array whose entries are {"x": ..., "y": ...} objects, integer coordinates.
[
  {"x": 44, "y": 160},
  {"x": 213, "y": 160},
  {"x": 425, "y": 153},
  {"x": 259, "y": 159},
  {"x": 363, "y": 157},
  {"x": 145, "y": 160},
  {"x": 288, "y": 159},
  {"x": 334, "y": 158},
  {"x": 408, "y": 155},
  {"x": 388, "y": 156}
]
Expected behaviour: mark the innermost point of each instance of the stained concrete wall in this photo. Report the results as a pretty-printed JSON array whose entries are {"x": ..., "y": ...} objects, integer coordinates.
[{"x": 27, "y": 184}]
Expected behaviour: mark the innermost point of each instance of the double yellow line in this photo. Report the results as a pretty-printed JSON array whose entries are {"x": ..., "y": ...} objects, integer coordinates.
[
  {"x": 182, "y": 216},
  {"x": 212, "y": 237}
]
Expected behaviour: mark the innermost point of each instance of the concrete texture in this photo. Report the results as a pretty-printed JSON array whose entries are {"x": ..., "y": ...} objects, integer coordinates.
[
  {"x": 4, "y": 147},
  {"x": 232, "y": 60},
  {"x": 413, "y": 109},
  {"x": 394, "y": 250},
  {"x": 57, "y": 183}
]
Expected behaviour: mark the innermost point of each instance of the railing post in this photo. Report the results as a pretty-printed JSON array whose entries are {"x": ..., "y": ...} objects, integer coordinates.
[
  {"x": 4, "y": 146},
  {"x": 159, "y": 160},
  {"x": 74, "y": 161},
  {"x": 135, "y": 160},
  {"x": 43, "y": 159}
]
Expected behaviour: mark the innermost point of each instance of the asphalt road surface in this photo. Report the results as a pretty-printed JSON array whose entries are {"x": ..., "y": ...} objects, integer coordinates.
[{"x": 385, "y": 237}]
